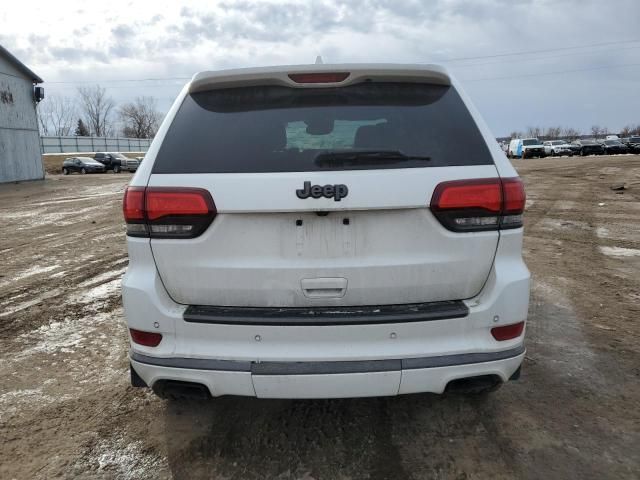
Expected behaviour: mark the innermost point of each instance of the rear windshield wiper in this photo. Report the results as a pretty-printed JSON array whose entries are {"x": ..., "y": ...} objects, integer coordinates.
[{"x": 366, "y": 157}]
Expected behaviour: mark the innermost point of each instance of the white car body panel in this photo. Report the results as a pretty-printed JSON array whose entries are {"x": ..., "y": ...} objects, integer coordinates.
[{"x": 250, "y": 246}]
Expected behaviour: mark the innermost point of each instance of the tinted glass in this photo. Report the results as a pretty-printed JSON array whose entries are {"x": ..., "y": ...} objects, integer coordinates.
[
  {"x": 531, "y": 141},
  {"x": 280, "y": 129}
]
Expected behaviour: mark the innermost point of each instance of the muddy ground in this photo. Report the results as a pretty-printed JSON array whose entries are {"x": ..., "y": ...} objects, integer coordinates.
[{"x": 67, "y": 410}]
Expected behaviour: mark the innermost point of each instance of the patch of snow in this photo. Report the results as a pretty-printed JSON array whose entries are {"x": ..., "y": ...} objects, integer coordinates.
[
  {"x": 126, "y": 459},
  {"x": 100, "y": 279},
  {"x": 99, "y": 292},
  {"x": 620, "y": 252}
]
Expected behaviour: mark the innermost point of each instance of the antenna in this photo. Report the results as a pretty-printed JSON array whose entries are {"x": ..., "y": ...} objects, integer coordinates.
[{"x": 319, "y": 60}]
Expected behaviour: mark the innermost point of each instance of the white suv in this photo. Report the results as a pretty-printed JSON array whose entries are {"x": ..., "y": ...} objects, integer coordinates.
[
  {"x": 324, "y": 231},
  {"x": 557, "y": 147}
]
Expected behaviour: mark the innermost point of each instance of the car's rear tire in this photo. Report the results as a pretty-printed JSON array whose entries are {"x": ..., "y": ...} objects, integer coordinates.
[
  {"x": 83, "y": 171},
  {"x": 65, "y": 171},
  {"x": 116, "y": 169}
]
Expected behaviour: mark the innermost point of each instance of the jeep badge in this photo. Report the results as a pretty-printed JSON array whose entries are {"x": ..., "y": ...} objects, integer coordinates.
[{"x": 338, "y": 192}]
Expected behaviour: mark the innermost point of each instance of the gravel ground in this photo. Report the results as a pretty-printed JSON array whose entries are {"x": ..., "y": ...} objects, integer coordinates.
[{"x": 67, "y": 410}]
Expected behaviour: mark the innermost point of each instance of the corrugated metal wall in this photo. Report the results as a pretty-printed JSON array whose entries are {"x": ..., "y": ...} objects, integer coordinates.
[{"x": 20, "y": 157}]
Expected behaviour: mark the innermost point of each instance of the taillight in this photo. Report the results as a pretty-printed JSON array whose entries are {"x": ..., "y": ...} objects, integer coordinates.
[
  {"x": 148, "y": 339},
  {"x": 321, "y": 77},
  {"x": 479, "y": 204},
  {"x": 507, "y": 332},
  {"x": 167, "y": 212},
  {"x": 513, "y": 204}
]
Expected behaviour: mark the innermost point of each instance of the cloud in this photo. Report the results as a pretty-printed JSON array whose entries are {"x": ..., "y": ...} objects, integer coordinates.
[
  {"x": 77, "y": 54},
  {"x": 123, "y": 31},
  {"x": 143, "y": 40}
]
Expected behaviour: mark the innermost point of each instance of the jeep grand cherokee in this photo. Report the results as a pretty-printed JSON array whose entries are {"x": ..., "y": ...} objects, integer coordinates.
[{"x": 324, "y": 231}]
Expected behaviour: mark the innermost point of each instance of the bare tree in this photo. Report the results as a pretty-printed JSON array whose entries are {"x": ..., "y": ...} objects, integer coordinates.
[
  {"x": 626, "y": 131},
  {"x": 534, "y": 132},
  {"x": 56, "y": 115},
  {"x": 570, "y": 133},
  {"x": 516, "y": 134},
  {"x": 552, "y": 133},
  {"x": 42, "y": 110},
  {"x": 596, "y": 131},
  {"x": 97, "y": 109},
  {"x": 141, "y": 118}
]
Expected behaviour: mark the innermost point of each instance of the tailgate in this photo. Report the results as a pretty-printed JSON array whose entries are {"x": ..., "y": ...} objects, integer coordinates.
[{"x": 274, "y": 249}]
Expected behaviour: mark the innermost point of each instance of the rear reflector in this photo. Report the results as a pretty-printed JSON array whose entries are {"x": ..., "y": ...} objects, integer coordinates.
[
  {"x": 167, "y": 212},
  {"x": 330, "y": 77},
  {"x": 507, "y": 332},
  {"x": 479, "y": 204},
  {"x": 148, "y": 339}
]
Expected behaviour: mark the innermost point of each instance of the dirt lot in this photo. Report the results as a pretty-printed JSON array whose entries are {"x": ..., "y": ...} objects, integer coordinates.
[{"x": 67, "y": 410}]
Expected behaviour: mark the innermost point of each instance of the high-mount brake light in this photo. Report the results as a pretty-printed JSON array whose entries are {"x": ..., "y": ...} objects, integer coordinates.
[
  {"x": 167, "y": 212},
  {"x": 320, "y": 77},
  {"x": 479, "y": 204}
]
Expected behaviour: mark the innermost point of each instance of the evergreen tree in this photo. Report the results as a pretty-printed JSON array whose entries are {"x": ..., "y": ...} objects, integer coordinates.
[{"x": 81, "y": 129}]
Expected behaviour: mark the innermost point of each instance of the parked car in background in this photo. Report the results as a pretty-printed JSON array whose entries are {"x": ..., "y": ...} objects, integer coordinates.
[
  {"x": 81, "y": 165},
  {"x": 557, "y": 147},
  {"x": 130, "y": 164},
  {"x": 525, "y": 148},
  {"x": 588, "y": 147},
  {"x": 614, "y": 147},
  {"x": 112, "y": 160},
  {"x": 632, "y": 143},
  {"x": 612, "y": 137}
]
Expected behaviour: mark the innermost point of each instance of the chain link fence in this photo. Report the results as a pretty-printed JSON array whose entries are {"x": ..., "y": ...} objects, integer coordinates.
[{"x": 93, "y": 144}]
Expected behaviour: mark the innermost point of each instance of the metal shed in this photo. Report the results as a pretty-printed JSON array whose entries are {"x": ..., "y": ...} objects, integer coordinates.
[{"x": 20, "y": 156}]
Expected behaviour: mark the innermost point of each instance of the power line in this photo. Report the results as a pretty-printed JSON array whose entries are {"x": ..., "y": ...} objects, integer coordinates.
[
  {"x": 547, "y": 50},
  {"x": 123, "y": 80},
  {"x": 544, "y": 57},
  {"x": 480, "y": 57},
  {"x": 554, "y": 73}
]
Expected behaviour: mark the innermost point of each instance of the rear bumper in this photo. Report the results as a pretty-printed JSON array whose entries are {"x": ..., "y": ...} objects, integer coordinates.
[
  {"x": 345, "y": 379},
  {"x": 404, "y": 352}
]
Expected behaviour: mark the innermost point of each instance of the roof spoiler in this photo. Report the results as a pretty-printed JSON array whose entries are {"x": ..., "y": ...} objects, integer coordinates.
[{"x": 351, "y": 74}]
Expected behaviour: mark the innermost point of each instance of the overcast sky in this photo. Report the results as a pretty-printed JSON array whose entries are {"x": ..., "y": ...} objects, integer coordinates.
[{"x": 112, "y": 41}]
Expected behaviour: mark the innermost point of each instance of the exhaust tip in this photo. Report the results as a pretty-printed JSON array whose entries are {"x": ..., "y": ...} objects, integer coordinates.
[
  {"x": 474, "y": 385},
  {"x": 177, "y": 390}
]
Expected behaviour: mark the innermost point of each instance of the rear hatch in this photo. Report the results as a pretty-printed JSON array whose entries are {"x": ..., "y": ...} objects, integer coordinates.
[{"x": 322, "y": 196}]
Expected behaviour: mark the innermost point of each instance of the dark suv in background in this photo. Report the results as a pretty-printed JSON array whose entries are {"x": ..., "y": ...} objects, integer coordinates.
[
  {"x": 632, "y": 143},
  {"x": 614, "y": 147},
  {"x": 112, "y": 161},
  {"x": 588, "y": 147}
]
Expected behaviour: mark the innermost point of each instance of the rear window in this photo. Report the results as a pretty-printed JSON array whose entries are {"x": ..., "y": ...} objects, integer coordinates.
[{"x": 281, "y": 129}]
